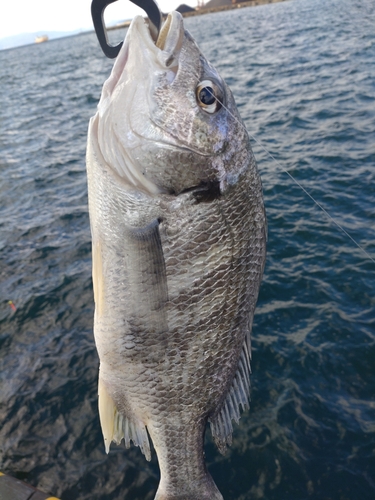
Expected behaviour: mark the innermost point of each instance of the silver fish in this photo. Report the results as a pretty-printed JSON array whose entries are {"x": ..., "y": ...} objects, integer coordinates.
[{"x": 178, "y": 242}]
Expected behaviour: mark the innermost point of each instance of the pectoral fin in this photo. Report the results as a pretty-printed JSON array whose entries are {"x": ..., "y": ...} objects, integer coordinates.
[{"x": 147, "y": 277}]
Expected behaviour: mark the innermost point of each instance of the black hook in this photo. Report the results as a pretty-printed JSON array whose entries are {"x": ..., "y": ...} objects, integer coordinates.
[{"x": 97, "y": 10}]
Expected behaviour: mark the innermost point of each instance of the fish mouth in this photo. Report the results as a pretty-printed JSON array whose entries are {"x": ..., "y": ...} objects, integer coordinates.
[
  {"x": 170, "y": 39},
  {"x": 164, "y": 50},
  {"x": 167, "y": 44}
]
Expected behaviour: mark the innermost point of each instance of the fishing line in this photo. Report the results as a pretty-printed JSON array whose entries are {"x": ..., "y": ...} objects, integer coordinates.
[{"x": 332, "y": 219}]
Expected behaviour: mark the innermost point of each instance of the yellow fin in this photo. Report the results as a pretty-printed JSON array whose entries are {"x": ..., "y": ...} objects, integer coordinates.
[{"x": 106, "y": 414}]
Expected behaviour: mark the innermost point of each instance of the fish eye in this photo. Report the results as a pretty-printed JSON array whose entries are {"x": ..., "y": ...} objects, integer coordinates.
[{"x": 208, "y": 96}]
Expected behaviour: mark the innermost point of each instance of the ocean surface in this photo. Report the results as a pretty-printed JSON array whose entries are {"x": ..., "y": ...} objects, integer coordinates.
[{"x": 303, "y": 75}]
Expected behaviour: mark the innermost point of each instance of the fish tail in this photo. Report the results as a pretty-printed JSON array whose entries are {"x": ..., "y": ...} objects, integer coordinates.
[
  {"x": 179, "y": 447},
  {"x": 205, "y": 489}
]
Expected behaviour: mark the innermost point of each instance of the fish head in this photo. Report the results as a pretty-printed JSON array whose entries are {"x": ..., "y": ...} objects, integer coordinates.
[{"x": 167, "y": 122}]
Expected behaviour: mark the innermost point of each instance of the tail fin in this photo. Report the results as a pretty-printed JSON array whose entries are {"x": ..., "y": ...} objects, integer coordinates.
[
  {"x": 204, "y": 490},
  {"x": 178, "y": 442}
]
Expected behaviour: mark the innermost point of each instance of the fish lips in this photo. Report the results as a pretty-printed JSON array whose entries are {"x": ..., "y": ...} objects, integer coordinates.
[
  {"x": 170, "y": 40},
  {"x": 165, "y": 51}
]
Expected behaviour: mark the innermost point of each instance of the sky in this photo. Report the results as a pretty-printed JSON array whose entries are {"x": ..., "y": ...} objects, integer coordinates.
[{"x": 30, "y": 16}]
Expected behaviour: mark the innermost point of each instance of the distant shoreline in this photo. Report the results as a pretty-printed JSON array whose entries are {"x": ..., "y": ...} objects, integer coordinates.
[
  {"x": 250, "y": 3},
  {"x": 126, "y": 24}
]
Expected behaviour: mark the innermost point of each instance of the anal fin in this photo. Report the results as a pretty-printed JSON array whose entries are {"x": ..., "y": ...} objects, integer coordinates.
[
  {"x": 116, "y": 426},
  {"x": 238, "y": 395}
]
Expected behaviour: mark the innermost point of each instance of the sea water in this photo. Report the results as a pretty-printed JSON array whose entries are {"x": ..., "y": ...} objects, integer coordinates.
[{"x": 303, "y": 76}]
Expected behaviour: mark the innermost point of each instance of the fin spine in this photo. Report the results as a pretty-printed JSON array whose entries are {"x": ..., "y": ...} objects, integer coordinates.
[{"x": 237, "y": 396}]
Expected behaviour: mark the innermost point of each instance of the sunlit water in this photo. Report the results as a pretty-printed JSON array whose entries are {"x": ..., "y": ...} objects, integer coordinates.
[{"x": 303, "y": 75}]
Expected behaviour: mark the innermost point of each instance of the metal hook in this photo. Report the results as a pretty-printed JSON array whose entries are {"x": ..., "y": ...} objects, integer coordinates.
[{"x": 97, "y": 11}]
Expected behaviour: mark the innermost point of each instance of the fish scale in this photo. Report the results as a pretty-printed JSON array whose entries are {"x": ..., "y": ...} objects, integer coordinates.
[{"x": 177, "y": 263}]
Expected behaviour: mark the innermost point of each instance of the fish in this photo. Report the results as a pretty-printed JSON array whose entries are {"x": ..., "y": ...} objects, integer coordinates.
[{"x": 178, "y": 230}]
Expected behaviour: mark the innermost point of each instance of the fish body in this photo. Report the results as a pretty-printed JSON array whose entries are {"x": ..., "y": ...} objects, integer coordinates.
[{"x": 178, "y": 240}]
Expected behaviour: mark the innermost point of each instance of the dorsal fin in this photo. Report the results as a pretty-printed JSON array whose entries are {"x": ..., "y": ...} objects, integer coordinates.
[{"x": 238, "y": 395}]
